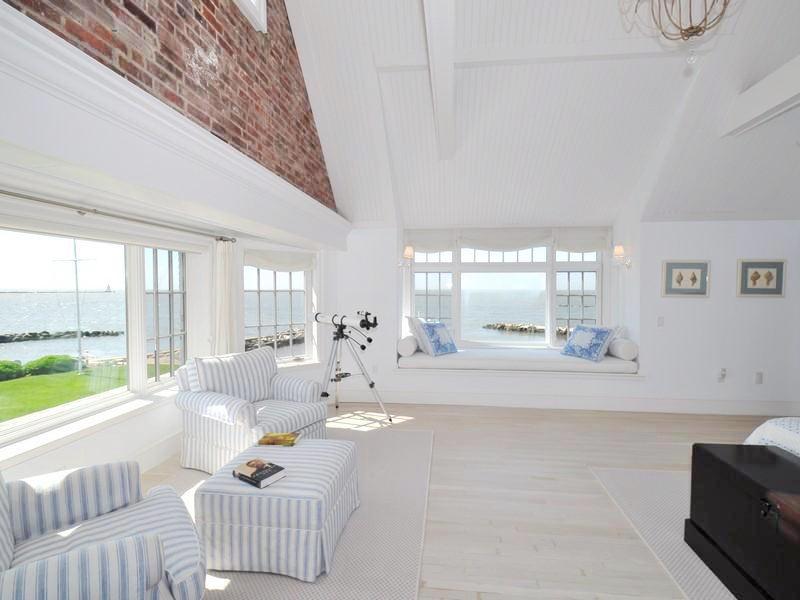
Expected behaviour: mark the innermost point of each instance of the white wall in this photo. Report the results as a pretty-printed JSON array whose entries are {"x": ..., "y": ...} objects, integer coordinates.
[{"x": 679, "y": 361}]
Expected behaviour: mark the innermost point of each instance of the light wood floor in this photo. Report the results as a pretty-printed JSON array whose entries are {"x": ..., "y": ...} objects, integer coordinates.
[{"x": 514, "y": 509}]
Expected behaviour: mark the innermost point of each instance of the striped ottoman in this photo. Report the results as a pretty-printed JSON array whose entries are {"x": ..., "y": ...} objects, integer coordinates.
[{"x": 290, "y": 527}]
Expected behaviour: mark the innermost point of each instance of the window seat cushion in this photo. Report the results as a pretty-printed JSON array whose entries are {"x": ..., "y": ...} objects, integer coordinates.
[{"x": 517, "y": 359}]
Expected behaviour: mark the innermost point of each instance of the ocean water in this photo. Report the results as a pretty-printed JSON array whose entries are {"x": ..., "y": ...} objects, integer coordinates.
[
  {"x": 22, "y": 312},
  {"x": 482, "y": 307}
]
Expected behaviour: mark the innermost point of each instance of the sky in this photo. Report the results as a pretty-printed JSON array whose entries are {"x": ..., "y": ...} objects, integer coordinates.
[{"x": 41, "y": 262}]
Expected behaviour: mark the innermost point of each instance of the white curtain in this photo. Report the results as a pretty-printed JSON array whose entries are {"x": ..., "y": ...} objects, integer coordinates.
[
  {"x": 280, "y": 260},
  {"x": 224, "y": 282}
]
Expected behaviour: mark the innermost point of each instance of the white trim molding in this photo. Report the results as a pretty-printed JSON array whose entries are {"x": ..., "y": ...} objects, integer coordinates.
[
  {"x": 128, "y": 150},
  {"x": 255, "y": 11}
]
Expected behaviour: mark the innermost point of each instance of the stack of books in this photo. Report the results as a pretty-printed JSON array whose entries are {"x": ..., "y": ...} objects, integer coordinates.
[
  {"x": 279, "y": 439},
  {"x": 259, "y": 473}
]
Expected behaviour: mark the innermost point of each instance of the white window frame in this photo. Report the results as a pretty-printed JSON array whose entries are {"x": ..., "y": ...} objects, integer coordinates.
[
  {"x": 550, "y": 266},
  {"x": 256, "y": 13},
  {"x": 308, "y": 283}
]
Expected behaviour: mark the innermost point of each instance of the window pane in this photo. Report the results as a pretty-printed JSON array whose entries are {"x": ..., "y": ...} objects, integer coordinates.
[
  {"x": 589, "y": 311},
  {"x": 148, "y": 269},
  {"x": 467, "y": 255},
  {"x": 562, "y": 281},
  {"x": 510, "y": 257},
  {"x": 149, "y": 316},
  {"x": 433, "y": 257},
  {"x": 504, "y": 308},
  {"x": 55, "y": 365},
  {"x": 163, "y": 357},
  {"x": 298, "y": 280},
  {"x": 590, "y": 282},
  {"x": 151, "y": 360},
  {"x": 481, "y": 256},
  {"x": 575, "y": 307},
  {"x": 433, "y": 308},
  {"x": 525, "y": 255},
  {"x": 576, "y": 283},
  {"x": 445, "y": 308},
  {"x": 250, "y": 278},
  {"x": 251, "y": 338},
  {"x": 267, "y": 308},
  {"x": 562, "y": 256},
  {"x": 495, "y": 256},
  {"x": 420, "y": 305},
  {"x": 433, "y": 283},
  {"x": 163, "y": 269},
  {"x": 298, "y": 307},
  {"x": 575, "y": 257},
  {"x": 562, "y": 307},
  {"x": 419, "y": 282},
  {"x": 178, "y": 352},
  {"x": 163, "y": 315},
  {"x": 446, "y": 283},
  {"x": 299, "y": 340},
  {"x": 281, "y": 280},
  {"x": 177, "y": 270},
  {"x": 446, "y": 257},
  {"x": 251, "y": 309},
  {"x": 178, "y": 325},
  {"x": 284, "y": 308},
  {"x": 540, "y": 254},
  {"x": 420, "y": 257},
  {"x": 267, "y": 279},
  {"x": 590, "y": 256}
]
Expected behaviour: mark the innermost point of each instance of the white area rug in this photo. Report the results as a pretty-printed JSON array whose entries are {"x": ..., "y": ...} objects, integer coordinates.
[
  {"x": 656, "y": 503},
  {"x": 380, "y": 552}
]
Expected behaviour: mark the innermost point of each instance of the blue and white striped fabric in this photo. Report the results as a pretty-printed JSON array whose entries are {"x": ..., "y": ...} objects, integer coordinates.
[
  {"x": 279, "y": 416},
  {"x": 290, "y": 527},
  {"x": 57, "y": 500},
  {"x": 296, "y": 389},
  {"x": 161, "y": 513},
  {"x": 218, "y": 407},
  {"x": 6, "y": 533},
  {"x": 209, "y": 444},
  {"x": 125, "y": 568},
  {"x": 245, "y": 375}
]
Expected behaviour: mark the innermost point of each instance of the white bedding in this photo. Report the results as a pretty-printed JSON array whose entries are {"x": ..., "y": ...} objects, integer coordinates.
[
  {"x": 783, "y": 433},
  {"x": 517, "y": 359}
]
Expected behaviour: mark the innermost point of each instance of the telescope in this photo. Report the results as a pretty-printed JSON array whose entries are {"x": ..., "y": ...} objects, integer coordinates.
[{"x": 362, "y": 321}]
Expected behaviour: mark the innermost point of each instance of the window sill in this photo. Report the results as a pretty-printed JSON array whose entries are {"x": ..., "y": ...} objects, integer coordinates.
[
  {"x": 294, "y": 364},
  {"x": 32, "y": 435}
]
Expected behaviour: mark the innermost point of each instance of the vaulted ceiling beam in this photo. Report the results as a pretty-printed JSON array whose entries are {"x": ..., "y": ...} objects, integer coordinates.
[
  {"x": 440, "y": 21},
  {"x": 777, "y": 93}
]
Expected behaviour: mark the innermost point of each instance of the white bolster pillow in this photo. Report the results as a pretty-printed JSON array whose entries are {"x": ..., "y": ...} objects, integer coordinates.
[
  {"x": 624, "y": 348},
  {"x": 407, "y": 346}
]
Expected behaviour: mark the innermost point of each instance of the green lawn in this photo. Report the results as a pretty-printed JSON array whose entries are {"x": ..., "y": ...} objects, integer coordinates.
[{"x": 30, "y": 394}]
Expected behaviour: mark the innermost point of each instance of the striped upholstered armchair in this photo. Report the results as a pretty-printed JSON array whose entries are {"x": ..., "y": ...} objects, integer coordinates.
[
  {"x": 230, "y": 401},
  {"x": 88, "y": 534}
]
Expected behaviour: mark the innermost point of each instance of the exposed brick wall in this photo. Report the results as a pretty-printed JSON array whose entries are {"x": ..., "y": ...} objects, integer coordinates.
[{"x": 205, "y": 60}]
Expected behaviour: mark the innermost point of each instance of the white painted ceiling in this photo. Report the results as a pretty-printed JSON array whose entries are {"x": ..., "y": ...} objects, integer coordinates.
[{"x": 562, "y": 114}]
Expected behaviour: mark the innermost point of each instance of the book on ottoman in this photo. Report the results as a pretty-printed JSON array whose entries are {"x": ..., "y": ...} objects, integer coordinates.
[{"x": 259, "y": 473}]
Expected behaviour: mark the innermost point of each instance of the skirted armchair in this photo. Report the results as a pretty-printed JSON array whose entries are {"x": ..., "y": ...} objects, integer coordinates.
[
  {"x": 88, "y": 534},
  {"x": 229, "y": 402}
]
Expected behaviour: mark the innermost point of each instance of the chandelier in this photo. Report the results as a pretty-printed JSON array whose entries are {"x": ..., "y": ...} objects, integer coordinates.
[{"x": 684, "y": 19}]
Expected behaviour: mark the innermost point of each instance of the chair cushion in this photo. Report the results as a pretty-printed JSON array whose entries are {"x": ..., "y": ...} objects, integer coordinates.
[
  {"x": 162, "y": 512},
  {"x": 281, "y": 416},
  {"x": 6, "y": 533},
  {"x": 245, "y": 375}
]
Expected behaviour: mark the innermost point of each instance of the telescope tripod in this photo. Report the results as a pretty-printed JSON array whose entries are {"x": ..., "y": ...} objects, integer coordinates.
[{"x": 334, "y": 373}]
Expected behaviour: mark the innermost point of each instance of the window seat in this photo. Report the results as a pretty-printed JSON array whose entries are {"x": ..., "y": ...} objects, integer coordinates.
[{"x": 517, "y": 359}]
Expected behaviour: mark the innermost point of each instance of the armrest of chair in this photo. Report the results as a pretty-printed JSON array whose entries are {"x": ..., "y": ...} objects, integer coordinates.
[
  {"x": 56, "y": 500},
  {"x": 219, "y": 407},
  {"x": 130, "y": 567},
  {"x": 295, "y": 389}
]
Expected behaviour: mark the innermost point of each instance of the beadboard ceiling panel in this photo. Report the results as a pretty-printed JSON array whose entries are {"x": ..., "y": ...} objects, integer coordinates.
[{"x": 563, "y": 113}]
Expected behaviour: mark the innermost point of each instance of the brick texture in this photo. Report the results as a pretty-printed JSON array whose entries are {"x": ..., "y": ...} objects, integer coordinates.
[{"x": 205, "y": 60}]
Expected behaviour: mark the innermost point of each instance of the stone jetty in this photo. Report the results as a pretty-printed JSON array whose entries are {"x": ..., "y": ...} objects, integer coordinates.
[
  {"x": 528, "y": 328},
  {"x": 268, "y": 340},
  {"x": 32, "y": 336}
]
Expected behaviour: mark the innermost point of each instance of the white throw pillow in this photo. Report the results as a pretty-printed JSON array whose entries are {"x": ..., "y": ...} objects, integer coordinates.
[
  {"x": 407, "y": 346},
  {"x": 624, "y": 348},
  {"x": 422, "y": 339}
]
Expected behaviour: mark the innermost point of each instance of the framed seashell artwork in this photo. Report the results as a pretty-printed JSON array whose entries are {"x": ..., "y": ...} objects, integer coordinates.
[
  {"x": 761, "y": 277},
  {"x": 684, "y": 278}
]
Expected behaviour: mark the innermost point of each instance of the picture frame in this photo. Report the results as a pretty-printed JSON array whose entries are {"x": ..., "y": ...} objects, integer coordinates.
[
  {"x": 685, "y": 278},
  {"x": 761, "y": 277}
]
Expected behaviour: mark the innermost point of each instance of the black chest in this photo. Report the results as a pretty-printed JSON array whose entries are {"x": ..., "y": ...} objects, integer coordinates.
[{"x": 745, "y": 518}]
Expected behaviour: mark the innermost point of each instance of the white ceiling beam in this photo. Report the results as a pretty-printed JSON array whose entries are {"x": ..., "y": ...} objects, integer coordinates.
[
  {"x": 777, "y": 93},
  {"x": 440, "y": 26}
]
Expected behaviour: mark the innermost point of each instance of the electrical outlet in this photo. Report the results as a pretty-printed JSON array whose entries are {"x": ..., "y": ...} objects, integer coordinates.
[
  {"x": 660, "y": 321},
  {"x": 758, "y": 379},
  {"x": 723, "y": 375}
]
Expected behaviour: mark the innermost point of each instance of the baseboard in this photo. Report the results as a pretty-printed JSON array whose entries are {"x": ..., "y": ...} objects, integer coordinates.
[
  {"x": 601, "y": 403},
  {"x": 155, "y": 454}
]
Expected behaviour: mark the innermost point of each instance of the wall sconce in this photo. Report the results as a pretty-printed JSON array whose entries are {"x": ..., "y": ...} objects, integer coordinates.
[
  {"x": 620, "y": 257},
  {"x": 408, "y": 256}
]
